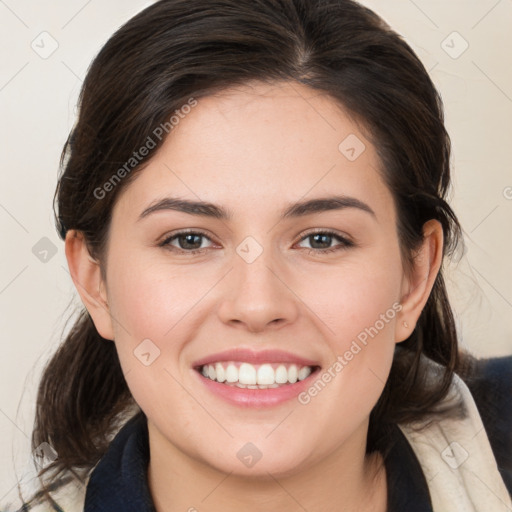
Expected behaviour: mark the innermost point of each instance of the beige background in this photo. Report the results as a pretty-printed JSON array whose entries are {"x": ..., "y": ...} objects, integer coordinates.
[{"x": 38, "y": 104}]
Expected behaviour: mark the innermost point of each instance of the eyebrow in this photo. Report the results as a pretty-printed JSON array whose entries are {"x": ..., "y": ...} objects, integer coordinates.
[{"x": 299, "y": 209}]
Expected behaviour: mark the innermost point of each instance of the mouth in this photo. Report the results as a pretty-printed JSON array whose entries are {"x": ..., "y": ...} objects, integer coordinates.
[
  {"x": 245, "y": 375},
  {"x": 255, "y": 379}
]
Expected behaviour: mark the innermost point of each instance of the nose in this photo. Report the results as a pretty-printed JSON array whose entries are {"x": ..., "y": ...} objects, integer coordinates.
[{"x": 256, "y": 295}]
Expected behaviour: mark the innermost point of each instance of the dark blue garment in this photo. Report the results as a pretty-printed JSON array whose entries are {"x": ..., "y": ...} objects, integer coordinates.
[
  {"x": 491, "y": 388},
  {"x": 119, "y": 481}
]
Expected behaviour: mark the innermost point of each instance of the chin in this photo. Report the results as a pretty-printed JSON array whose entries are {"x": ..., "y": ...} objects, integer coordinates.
[{"x": 257, "y": 459}]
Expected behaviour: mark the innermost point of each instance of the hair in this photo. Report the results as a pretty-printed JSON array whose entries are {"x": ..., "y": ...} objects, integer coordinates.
[{"x": 176, "y": 50}]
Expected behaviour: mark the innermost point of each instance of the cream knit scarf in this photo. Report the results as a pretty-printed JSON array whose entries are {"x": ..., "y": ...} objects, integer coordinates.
[{"x": 457, "y": 459}]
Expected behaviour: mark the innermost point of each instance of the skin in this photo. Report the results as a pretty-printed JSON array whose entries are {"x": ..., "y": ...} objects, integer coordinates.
[{"x": 274, "y": 145}]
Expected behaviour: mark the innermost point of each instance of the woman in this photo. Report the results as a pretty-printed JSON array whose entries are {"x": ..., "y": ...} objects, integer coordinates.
[{"x": 254, "y": 215}]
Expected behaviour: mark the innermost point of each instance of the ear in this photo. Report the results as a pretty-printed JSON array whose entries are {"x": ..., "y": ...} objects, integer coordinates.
[
  {"x": 86, "y": 275},
  {"x": 417, "y": 286}
]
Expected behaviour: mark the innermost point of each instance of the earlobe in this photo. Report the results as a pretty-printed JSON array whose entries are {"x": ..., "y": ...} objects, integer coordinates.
[
  {"x": 418, "y": 285},
  {"x": 86, "y": 275}
]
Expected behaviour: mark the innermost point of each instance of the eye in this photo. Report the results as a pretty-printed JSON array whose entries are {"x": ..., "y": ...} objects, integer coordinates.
[
  {"x": 191, "y": 242},
  {"x": 321, "y": 239},
  {"x": 188, "y": 241}
]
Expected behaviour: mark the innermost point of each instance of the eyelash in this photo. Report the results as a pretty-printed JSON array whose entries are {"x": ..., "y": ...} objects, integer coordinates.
[{"x": 345, "y": 243}]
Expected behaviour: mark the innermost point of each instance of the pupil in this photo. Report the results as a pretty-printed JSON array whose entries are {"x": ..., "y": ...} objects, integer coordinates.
[
  {"x": 324, "y": 237},
  {"x": 188, "y": 243}
]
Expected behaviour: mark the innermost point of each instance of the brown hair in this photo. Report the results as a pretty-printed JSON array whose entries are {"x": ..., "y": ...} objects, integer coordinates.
[{"x": 177, "y": 49}]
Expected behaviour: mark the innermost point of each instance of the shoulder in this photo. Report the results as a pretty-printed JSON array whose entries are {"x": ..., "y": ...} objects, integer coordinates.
[
  {"x": 490, "y": 383},
  {"x": 66, "y": 495},
  {"x": 67, "y": 492}
]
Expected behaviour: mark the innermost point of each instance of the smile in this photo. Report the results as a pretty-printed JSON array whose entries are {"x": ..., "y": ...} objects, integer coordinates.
[
  {"x": 252, "y": 376},
  {"x": 255, "y": 379}
]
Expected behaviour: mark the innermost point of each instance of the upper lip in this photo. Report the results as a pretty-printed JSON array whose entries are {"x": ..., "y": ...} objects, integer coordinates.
[{"x": 255, "y": 357}]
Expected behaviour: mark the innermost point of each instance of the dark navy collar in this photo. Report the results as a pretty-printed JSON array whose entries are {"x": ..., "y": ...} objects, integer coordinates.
[
  {"x": 407, "y": 487},
  {"x": 119, "y": 481}
]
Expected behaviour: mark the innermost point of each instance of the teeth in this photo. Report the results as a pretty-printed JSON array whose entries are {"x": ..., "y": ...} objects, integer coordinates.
[
  {"x": 246, "y": 375},
  {"x": 232, "y": 373},
  {"x": 281, "y": 374},
  {"x": 266, "y": 374},
  {"x": 303, "y": 373},
  {"x": 220, "y": 373},
  {"x": 292, "y": 374}
]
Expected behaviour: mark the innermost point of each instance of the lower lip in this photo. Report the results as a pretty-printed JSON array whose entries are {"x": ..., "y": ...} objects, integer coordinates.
[{"x": 256, "y": 398}]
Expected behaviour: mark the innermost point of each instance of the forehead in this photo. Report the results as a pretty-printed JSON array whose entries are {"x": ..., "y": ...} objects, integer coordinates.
[{"x": 257, "y": 146}]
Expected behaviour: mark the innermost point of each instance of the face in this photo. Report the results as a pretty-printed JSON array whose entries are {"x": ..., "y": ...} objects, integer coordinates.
[{"x": 256, "y": 285}]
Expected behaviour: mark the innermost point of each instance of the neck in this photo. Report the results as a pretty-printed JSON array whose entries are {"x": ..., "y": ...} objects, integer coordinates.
[{"x": 347, "y": 480}]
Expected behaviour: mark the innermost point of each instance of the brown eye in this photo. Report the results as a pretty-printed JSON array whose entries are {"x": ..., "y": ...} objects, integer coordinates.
[
  {"x": 321, "y": 241},
  {"x": 187, "y": 241}
]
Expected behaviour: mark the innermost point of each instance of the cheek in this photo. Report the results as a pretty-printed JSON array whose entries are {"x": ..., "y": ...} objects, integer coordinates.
[
  {"x": 356, "y": 299},
  {"x": 358, "y": 306},
  {"x": 151, "y": 298},
  {"x": 360, "y": 312},
  {"x": 149, "y": 307},
  {"x": 156, "y": 311}
]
